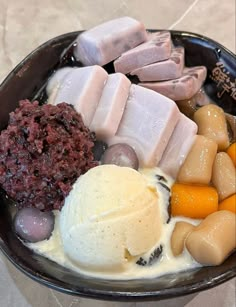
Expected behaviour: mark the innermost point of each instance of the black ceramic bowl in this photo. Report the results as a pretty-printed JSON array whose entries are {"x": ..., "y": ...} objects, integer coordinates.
[{"x": 27, "y": 80}]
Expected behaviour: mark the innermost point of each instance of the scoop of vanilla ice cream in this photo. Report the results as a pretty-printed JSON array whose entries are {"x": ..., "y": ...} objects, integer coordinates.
[{"x": 110, "y": 216}]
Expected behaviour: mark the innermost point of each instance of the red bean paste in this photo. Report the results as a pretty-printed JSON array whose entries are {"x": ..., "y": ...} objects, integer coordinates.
[{"x": 42, "y": 152}]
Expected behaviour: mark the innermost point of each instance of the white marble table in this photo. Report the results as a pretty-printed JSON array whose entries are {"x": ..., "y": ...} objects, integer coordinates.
[{"x": 25, "y": 24}]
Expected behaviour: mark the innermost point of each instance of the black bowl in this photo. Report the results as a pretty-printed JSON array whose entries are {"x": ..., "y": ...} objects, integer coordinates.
[{"x": 28, "y": 80}]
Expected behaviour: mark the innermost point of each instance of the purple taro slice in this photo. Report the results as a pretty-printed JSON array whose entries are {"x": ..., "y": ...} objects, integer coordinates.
[
  {"x": 56, "y": 79},
  {"x": 147, "y": 124},
  {"x": 164, "y": 70},
  {"x": 111, "y": 106},
  {"x": 157, "y": 48},
  {"x": 106, "y": 42},
  {"x": 178, "y": 147},
  {"x": 82, "y": 87},
  {"x": 55, "y": 82},
  {"x": 183, "y": 88}
]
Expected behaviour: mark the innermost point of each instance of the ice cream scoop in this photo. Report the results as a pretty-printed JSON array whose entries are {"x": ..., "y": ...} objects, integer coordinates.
[{"x": 111, "y": 216}]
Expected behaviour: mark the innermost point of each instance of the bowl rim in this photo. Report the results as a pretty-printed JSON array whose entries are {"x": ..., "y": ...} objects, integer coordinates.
[
  {"x": 125, "y": 296},
  {"x": 111, "y": 294}
]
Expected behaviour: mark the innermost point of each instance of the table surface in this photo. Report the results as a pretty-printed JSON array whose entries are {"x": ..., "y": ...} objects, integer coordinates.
[{"x": 25, "y": 24}]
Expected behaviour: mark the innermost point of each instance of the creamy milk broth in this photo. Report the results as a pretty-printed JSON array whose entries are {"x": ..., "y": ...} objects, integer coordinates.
[{"x": 166, "y": 263}]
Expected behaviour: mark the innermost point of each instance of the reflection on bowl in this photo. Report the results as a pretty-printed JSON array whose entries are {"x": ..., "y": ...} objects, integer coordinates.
[{"x": 27, "y": 80}]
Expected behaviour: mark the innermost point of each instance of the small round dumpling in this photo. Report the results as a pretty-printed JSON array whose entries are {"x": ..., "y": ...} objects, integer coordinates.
[
  {"x": 33, "y": 225},
  {"x": 121, "y": 155}
]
